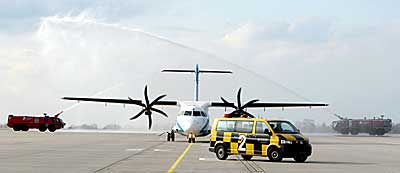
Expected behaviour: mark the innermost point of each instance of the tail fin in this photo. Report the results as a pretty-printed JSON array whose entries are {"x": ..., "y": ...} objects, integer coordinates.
[{"x": 197, "y": 75}]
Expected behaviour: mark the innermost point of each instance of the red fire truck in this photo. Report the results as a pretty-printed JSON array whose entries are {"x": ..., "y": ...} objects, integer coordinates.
[{"x": 42, "y": 123}]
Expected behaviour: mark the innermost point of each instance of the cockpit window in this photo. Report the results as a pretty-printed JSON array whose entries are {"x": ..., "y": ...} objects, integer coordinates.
[
  {"x": 188, "y": 113},
  {"x": 196, "y": 113}
]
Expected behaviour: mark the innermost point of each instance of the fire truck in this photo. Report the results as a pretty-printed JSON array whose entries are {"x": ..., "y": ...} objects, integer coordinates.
[
  {"x": 43, "y": 123},
  {"x": 375, "y": 126}
]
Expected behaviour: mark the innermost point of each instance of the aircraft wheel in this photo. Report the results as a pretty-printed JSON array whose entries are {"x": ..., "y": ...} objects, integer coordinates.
[
  {"x": 221, "y": 153},
  {"x": 168, "y": 137}
]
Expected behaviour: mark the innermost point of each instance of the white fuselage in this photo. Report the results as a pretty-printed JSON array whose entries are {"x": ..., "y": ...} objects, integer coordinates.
[{"x": 193, "y": 119}]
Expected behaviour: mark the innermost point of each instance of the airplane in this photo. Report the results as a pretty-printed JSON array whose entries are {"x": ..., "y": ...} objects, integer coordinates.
[{"x": 193, "y": 119}]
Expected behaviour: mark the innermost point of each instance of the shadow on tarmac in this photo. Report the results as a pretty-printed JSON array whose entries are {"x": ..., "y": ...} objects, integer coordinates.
[{"x": 315, "y": 162}]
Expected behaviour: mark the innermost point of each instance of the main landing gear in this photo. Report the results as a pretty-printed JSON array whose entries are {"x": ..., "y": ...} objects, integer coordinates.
[{"x": 171, "y": 136}]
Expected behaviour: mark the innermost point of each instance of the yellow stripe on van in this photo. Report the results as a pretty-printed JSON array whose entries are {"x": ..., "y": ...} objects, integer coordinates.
[
  {"x": 234, "y": 148},
  {"x": 289, "y": 137},
  {"x": 227, "y": 136},
  {"x": 249, "y": 149},
  {"x": 264, "y": 149}
]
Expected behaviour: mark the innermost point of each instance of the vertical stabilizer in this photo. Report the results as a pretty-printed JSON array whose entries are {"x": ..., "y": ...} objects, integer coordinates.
[{"x": 197, "y": 72}]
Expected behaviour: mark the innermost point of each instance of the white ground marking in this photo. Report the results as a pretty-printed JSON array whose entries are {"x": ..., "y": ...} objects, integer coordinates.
[
  {"x": 162, "y": 150},
  {"x": 134, "y": 149}
]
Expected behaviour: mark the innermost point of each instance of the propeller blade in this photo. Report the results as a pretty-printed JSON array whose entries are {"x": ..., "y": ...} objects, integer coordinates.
[
  {"x": 159, "y": 111},
  {"x": 157, "y": 99},
  {"x": 248, "y": 114},
  {"x": 226, "y": 102},
  {"x": 150, "y": 121},
  {"x": 249, "y": 103},
  {"x": 134, "y": 102},
  {"x": 140, "y": 113},
  {"x": 146, "y": 97},
  {"x": 238, "y": 98}
]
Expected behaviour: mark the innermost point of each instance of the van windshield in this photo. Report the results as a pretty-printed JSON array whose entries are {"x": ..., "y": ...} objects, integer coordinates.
[{"x": 283, "y": 127}]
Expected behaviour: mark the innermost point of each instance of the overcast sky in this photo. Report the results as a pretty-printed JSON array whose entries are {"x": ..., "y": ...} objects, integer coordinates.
[{"x": 342, "y": 52}]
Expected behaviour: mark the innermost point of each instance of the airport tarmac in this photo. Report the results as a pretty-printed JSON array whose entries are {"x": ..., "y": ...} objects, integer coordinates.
[{"x": 134, "y": 152}]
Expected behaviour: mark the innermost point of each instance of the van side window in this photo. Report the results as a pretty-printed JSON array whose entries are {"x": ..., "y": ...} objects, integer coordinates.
[
  {"x": 227, "y": 126},
  {"x": 260, "y": 127},
  {"x": 244, "y": 126}
]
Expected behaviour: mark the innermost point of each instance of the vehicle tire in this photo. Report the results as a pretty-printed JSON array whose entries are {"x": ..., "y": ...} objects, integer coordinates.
[
  {"x": 42, "y": 128},
  {"x": 221, "y": 152},
  {"x": 344, "y": 132},
  {"x": 168, "y": 137},
  {"x": 275, "y": 154},
  {"x": 247, "y": 157},
  {"x": 193, "y": 140},
  {"x": 380, "y": 132},
  {"x": 354, "y": 132},
  {"x": 16, "y": 127},
  {"x": 300, "y": 158},
  {"x": 52, "y": 128},
  {"x": 24, "y": 128}
]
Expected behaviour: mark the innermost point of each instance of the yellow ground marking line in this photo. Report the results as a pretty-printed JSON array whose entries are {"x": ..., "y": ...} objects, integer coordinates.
[{"x": 179, "y": 159}]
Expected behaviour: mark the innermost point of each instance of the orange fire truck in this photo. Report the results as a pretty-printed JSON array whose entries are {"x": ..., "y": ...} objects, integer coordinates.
[{"x": 24, "y": 123}]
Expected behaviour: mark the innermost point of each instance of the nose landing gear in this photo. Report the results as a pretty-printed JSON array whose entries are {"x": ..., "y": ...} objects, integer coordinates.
[
  {"x": 191, "y": 138},
  {"x": 171, "y": 136}
]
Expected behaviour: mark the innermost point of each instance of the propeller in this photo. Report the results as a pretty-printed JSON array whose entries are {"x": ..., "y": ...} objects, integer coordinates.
[
  {"x": 239, "y": 108},
  {"x": 148, "y": 107}
]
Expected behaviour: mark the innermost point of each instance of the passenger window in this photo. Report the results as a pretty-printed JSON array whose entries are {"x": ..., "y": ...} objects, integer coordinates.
[
  {"x": 260, "y": 127},
  {"x": 244, "y": 126},
  {"x": 227, "y": 126},
  {"x": 188, "y": 113}
]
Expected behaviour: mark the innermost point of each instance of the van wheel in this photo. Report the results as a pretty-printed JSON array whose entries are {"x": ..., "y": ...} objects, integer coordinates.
[
  {"x": 247, "y": 157},
  {"x": 274, "y": 154},
  {"x": 221, "y": 153},
  {"x": 300, "y": 158},
  {"x": 42, "y": 128}
]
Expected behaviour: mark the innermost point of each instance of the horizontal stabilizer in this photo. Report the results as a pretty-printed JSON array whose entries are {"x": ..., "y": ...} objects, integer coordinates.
[{"x": 200, "y": 71}]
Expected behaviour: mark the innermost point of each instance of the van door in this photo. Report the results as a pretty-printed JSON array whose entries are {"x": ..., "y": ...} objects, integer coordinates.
[
  {"x": 262, "y": 138},
  {"x": 243, "y": 134}
]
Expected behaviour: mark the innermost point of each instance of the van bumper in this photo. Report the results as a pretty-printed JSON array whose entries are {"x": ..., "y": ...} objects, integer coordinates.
[{"x": 291, "y": 150}]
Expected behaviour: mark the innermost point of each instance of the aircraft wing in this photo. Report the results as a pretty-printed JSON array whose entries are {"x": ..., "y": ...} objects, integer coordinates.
[
  {"x": 120, "y": 101},
  {"x": 271, "y": 104}
]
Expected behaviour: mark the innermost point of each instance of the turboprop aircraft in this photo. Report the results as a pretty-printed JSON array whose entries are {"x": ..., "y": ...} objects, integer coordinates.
[{"x": 193, "y": 118}]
